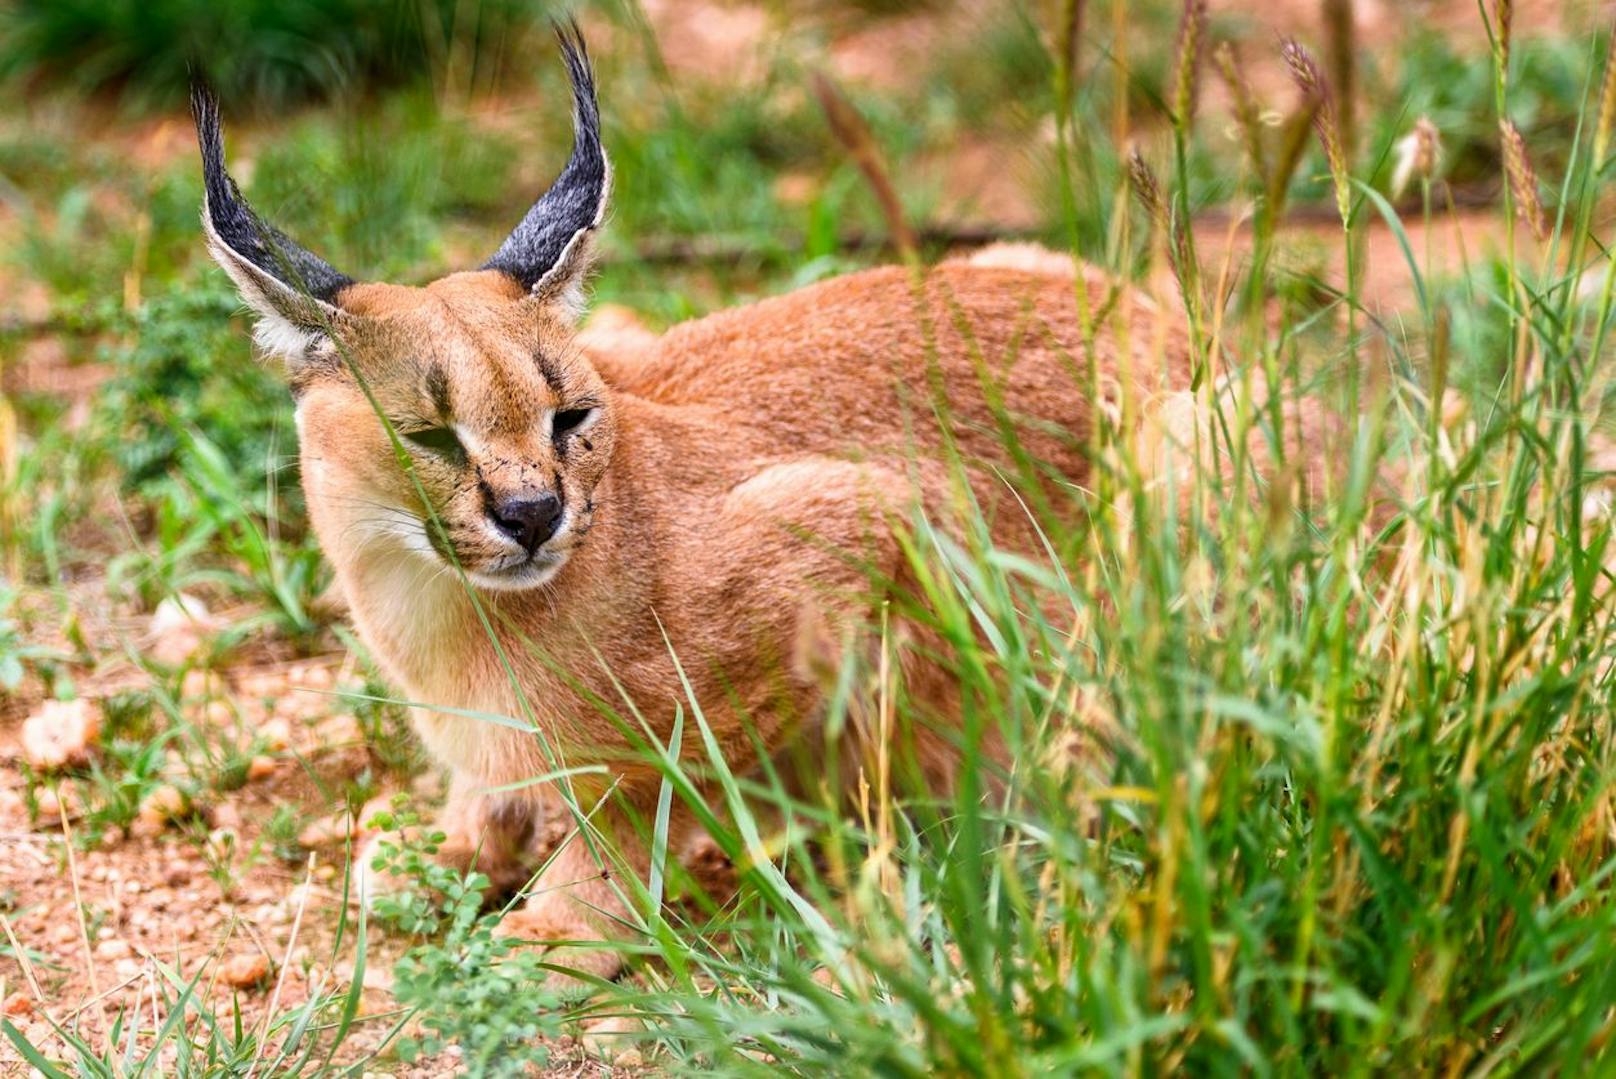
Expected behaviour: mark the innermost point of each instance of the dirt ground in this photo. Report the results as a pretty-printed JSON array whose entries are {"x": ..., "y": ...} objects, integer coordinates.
[{"x": 196, "y": 896}]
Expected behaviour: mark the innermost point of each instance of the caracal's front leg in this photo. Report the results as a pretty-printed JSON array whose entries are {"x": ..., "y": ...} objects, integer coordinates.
[
  {"x": 582, "y": 904},
  {"x": 497, "y": 835}
]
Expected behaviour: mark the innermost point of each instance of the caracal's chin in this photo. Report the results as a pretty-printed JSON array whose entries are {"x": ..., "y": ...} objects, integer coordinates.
[{"x": 533, "y": 573}]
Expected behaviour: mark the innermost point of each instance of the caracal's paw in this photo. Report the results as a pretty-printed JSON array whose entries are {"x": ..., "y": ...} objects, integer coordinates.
[{"x": 559, "y": 927}]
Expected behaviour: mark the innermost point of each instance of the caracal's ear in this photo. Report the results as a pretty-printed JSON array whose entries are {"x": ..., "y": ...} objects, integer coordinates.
[
  {"x": 292, "y": 290},
  {"x": 549, "y": 252}
]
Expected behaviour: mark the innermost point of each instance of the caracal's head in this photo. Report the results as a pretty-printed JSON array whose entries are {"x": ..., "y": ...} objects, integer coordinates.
[{"x": 500, "y": 428}]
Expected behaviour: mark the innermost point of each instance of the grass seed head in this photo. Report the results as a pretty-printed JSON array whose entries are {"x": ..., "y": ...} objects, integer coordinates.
[
  {"x": 1522, "y": 180},
  {"x": 1503, "y": 18},
  {"x": 1146, "y": 188},
  {"x": 1305, "y": 73},
  {"x": 1607, "y": 102},
  {"x": 1069, "y": 35},
  {"x": 1191, "y": 44},
  {"x": 1341, "y": 52}
]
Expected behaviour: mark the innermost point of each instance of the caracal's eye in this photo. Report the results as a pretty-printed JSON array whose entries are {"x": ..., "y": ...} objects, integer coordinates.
[
  {"x": 438, "y": 440},
  {"x": 567, "y": 419}
]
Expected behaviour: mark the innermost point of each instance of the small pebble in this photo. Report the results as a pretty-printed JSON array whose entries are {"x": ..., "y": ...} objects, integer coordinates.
[
  {"x": 177, "y": 629},
  {"x": 196, "y": 684},
  {"x": 246, "y": 971},
  {"x": 276, "y": 735},
  {"x": 60, "y": 734},
  {"x": 226, "y": 815},
  {"x": 113, "y": 948},
  {"x": 165, "y": 804}
]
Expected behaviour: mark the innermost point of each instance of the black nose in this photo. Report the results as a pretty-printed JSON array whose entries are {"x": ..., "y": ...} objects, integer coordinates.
[{"x": 528, "y": 521}]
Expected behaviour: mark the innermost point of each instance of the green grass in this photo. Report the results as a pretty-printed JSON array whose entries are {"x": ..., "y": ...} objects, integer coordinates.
[
  {"x": 1306, "y": 782},
  {"x": 1343, "y": 804}
]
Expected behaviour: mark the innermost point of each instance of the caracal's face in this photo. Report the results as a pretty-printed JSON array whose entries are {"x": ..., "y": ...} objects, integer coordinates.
[
  {"x": 505, "y": 429},
  {"x": 455, "y": 424}
]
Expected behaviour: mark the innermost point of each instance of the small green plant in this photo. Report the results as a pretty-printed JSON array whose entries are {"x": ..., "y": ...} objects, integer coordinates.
[
  {"x": 281, "y": 832},
  {"x": 17, "y": 655},
  {"x": 412, "y": 906},
  {"x": 386, "y": 727},
  {"x": 121, "y": 780},
  {"x": 468, "y": 986},
  {"x": 223, "y": 853}
]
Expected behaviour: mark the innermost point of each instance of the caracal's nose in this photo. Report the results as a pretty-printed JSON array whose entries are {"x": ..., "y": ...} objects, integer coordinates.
[{"x": 528, "y": 521}]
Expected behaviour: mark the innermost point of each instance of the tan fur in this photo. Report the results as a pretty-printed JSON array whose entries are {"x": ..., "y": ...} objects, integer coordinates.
[{"x": 733, "y": 466}]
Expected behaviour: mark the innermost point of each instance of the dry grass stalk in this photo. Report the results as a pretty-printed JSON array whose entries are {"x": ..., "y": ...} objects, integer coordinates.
[
  {"x": 854, "y": 134},
  {"x": 1503, "y": 19},
  {"x": 1069, "y": 35},
  {"x": 1187, "y": 77},
  {"x": 280, "y": 980},
  {"x": 27, "y": 966},
  {"x": 1522, "y": 180},
  {"x": 1245, "y": 107},
  {"x": 78, "y": 899},
  {"x": 1293, "y": 141},
  {"x": 1340, "y": 32}
]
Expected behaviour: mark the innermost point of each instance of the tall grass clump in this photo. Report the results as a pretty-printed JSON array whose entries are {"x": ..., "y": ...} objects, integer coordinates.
[
  {"x": 1306, "y": 696},
  {"x": 1312, "y": 726}
]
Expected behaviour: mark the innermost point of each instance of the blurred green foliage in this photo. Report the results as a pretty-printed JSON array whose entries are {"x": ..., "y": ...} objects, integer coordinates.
[
  {"x": 266, "y": 51},
  {"x": 1437, "y": 78},
  {"x": 189, "y": 365}
]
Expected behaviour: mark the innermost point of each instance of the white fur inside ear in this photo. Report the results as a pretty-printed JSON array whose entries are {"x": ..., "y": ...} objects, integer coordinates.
[
  {"x": 278, "y": 337},
  {"x": 284, "y": 315},
  {"x": 571, "y": 297},
  {"x": 563, "y": 283}
]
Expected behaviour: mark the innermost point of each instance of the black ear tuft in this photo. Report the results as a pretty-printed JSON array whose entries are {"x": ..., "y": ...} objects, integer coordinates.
[
  {"x": 235, "y": 226},
  {"x": 546, "y": 251}
]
